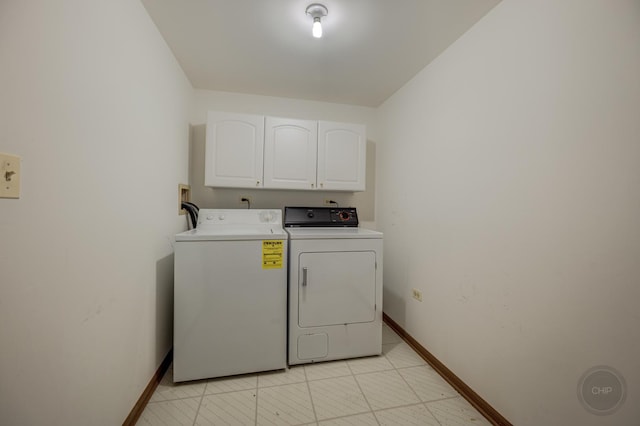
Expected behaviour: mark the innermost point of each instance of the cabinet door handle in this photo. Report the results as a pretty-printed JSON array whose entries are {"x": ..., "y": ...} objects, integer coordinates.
[
  {"x": 304, "y": 277},
  {"x": 257, "y": 183}
]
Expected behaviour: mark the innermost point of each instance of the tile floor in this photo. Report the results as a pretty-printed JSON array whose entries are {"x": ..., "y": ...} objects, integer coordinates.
[{"x": 396, "y": 388}]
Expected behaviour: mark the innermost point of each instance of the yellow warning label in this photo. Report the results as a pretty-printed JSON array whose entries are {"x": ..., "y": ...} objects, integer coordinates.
[{"x": 272, "y": 253}]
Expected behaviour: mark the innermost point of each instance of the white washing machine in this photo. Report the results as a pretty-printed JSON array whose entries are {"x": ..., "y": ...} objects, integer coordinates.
[
  {"x": 230, "y": 295},
  {"x": 335, "y": 285}
]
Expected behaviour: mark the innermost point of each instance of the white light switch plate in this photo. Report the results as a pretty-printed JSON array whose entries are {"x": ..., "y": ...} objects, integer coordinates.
[{"x": 9, "y": 176}]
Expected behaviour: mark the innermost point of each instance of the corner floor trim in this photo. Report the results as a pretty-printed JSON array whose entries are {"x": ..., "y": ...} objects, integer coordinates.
[
  {"x": 137, "y": 409},
  {"x": 467, "y": 393}
]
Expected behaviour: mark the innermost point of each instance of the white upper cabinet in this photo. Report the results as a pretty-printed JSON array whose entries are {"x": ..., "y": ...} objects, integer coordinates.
[
  {"x": 234, "y": 150},
  {"x": 251, "y": 151},
  {"x": 342, "y": 154},
  {"x": 290, "y": 150}
]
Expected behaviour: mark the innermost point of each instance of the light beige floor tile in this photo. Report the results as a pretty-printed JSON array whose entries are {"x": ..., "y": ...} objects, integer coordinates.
[
  {"x": 285, "y": 405},
  {"x": 231, "y": 408},
  {"x": 456, "y": 412},
  {"x": 389, "y": 382},
  {"x": 326, "y": 370},
  {"x": 389, "y": 336},
  {"x": 386, "y": 389},
  {"x": 167, "y": 390},
  {"x": 402, "y": 355},
  {"x": 231, "y": 384},
  {"x": 369, "y": 364},
  {"x": 366, "y": 419},
  {"x": 427, "y": 383},
  {"x": 179, "y": 412},
  {"x": 413, "y": 415},
  {"x": 282, "y": 377},
  {"x": 337, "y": 397}
]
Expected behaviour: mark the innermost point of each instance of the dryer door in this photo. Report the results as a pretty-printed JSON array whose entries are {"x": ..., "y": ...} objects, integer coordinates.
[{"x": 336, "y": 288}]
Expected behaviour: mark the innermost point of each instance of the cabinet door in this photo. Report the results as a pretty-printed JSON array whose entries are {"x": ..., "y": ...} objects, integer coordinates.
[
  {"x": 342, "y": 152},
  {"x": 336, "y": 288},
  {"x": 290, "y": 153},
  {"x": 234, "y": 150}
]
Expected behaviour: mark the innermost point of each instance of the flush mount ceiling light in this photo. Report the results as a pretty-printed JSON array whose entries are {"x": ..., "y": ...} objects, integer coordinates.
[{"x": 317, "y": 12}]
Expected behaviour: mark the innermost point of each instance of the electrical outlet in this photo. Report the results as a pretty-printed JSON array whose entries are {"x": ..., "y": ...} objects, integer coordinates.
[{"x": 417, "y": 294}]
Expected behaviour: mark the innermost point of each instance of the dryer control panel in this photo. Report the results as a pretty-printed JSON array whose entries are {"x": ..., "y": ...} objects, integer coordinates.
[{"x": 320, "y": 216}]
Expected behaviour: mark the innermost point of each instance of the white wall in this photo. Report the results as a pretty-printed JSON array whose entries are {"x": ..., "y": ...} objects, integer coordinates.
[
  {"x": 205, "y": 197},
  {"x": 97, "y": 107},
  {"x": 508, "y": 191}
]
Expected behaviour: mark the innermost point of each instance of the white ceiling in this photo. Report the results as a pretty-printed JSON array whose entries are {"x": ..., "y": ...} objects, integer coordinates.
[{"x": 369, "y": 50}]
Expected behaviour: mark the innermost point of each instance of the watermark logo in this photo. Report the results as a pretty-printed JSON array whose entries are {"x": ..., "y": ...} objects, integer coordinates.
[{"x": 602, "y": 390}]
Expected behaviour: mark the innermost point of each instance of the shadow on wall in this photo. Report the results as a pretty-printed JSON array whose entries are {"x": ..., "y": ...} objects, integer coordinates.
[
  {"x": 389, "y": 298},
  {"x": 164, "y": 307},
  {"x": 229, "y": 198}
]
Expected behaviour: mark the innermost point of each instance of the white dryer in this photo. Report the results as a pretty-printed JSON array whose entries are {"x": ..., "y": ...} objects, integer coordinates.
[
  {"x": 230, "y": 295},
  {"x": 335, "y": 285}
]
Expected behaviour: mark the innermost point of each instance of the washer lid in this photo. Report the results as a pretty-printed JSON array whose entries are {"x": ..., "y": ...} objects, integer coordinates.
[
  {"x": 236, "y": 224},
  {"x": 331, "y": 233},
  {"x": 233, "y": 233}
]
